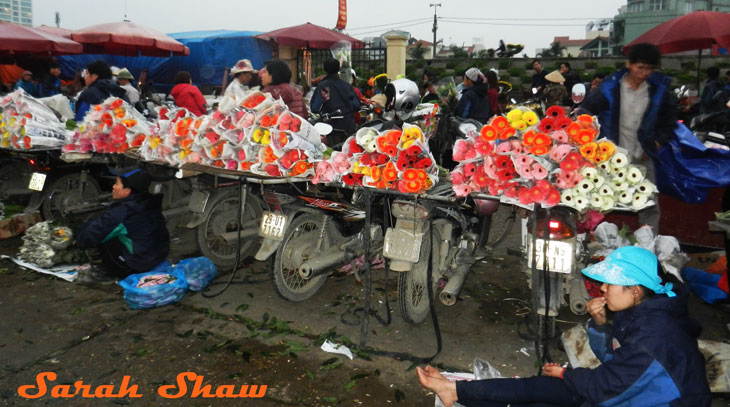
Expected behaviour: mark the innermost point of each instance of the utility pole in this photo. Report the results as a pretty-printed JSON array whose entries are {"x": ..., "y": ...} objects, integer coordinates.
[
  {"x": 58, "y": 19},
  {"x": 435, "y": 26}
]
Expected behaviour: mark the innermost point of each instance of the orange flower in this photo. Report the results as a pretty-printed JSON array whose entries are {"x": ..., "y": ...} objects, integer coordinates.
[
  {"x": 129, "y": 123},
  {"x": 269, "y": 156},
  {"x": 300, "y": 167},
  {"x": 265, "y": 121},
  {"x": 585, "y": 136},
  {"x": 246, "y": 165},
  {"x": 138, "y": 140},
  {"x": 599, "y": 158},
  {"x": 119, "y": 113},
  {"x": 539, "y": 150},
  {"x": 186, "y": 143},
  {"x": 528, "y": 138},
  {"x": 507, "y": 133},
  {"x": 216, "y": 151},
  {"x": 606, "y": 149},
  {"x": 588, "y": 150},
  {"x": 389, "y": 172},
  {"x": 573, "y": 130},
  {"x": 219, "y": 164},
  {"x": 542, "y": 139},
  {"x": 375, "y": 172},
  {"x": 116, "y": 103},
  {"x": 500, "y": 123},
  {"x": 411, "y": 174},
  {"x": 393, "y": 137},
  {"x": 488, "y": 133},
  {"x": 412, "y": 186},
  {"x": 585, "y": 120}
]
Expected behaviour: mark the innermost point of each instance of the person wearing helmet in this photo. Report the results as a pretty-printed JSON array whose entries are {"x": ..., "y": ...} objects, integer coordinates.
[
  {"x": 242, "y": 74},
  {"x": 474, "y": 102},
  {"x": 402, "y": 96},
  {"x": 335, "y": 95}
]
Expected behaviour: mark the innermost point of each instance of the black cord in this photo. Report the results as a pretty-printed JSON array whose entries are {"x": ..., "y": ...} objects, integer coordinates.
[{"x": 242, "y": 195}]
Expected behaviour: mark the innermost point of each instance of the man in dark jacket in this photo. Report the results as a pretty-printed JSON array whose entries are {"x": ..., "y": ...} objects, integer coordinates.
[
  {"x": 99, "y": 86},
  {"x": 637, "y": 111},
  {"x": 538, "y": 79},
  {"x": 571, "y": 78},
  {"x": 51, "y": 83},
  {"x": 712, "y": 99},
  {"x": 131, "y": 236},
  {"x": 474, "y": 101},
  {"x": 333, "y": 94}
]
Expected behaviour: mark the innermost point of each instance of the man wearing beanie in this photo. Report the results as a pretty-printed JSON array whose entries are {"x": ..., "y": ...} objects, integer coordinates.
[
  {"x": 333, "y": 94},
  {"x": 131, "y": 236}
]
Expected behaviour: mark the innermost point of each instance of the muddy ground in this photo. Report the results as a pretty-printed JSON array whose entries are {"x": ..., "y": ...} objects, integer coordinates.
[{"x": 247, "y": 335}]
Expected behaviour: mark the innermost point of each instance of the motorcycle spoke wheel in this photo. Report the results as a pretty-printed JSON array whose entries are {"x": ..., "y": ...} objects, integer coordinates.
[
  {"x": 298, "y": 246},
  {"x": 65, "y": 192},
  {"x": 413, "y": 285},
  {"x": 222, "y": 219}
]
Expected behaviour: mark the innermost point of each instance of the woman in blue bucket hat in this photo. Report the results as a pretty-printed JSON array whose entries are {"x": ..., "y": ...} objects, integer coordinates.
[{"x": 648, "y": 351}]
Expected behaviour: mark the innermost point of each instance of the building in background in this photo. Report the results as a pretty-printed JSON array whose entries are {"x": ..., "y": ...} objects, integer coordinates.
[
  {"x": 639, "y": 16},
  {"x": 17, "y": 11}
]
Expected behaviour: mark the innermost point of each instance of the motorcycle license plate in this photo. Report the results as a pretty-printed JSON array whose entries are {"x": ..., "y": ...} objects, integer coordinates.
[
  {"x": 559, "y": 255},
  {"x": 402, "y": 244},
  {"x": 272, "y": 225},
  {"x": 37, "y": 180}
]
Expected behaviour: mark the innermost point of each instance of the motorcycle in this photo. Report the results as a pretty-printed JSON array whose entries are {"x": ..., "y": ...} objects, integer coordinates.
[{"x": 312, "y": 231}]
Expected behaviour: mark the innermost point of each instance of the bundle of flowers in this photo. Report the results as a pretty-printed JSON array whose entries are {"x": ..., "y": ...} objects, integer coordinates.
[
  {"x": 550, "y": 161},
  {"x": 27, "y": 123},
  {"x": 396, "y": 159},
  {"x": 110, "y": 127},
  {"x": 173, "y": 137}
]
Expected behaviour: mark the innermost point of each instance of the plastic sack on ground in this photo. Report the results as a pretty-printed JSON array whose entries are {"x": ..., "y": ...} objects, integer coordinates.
[
  {"x": 484, "y": 370},
  {"x": 198, "y": 272},
  {"x": 161, "y": 286}
]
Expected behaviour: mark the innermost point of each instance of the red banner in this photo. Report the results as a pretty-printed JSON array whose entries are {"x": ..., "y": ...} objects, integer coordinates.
[{"x": 342, "y": 16}]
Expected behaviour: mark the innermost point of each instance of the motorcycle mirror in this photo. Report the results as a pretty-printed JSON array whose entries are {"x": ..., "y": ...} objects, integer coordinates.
[
  {"x": 323, "y": 128},
  {"x": 534, "y": 91},
  {"x": 578, "y": 92}
]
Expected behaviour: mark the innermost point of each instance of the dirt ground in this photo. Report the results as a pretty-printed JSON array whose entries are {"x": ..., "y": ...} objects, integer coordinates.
[{"x": 249, "y": 336}]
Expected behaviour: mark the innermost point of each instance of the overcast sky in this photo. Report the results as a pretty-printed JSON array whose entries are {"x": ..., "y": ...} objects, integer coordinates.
[{"x": 533, "y": 23}]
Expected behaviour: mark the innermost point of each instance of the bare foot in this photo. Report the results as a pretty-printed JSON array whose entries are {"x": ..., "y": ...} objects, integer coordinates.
[{"x": 433, "y": 380}]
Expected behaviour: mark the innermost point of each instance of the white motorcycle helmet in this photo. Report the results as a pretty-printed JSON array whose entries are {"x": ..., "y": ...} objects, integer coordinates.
[{"x": 402, "y": 96}]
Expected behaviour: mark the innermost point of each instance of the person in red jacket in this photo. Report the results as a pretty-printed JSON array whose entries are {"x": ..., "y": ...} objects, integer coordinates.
[
  {"x": 188, "y": 95},
  {"x": 275, "y": 79}
]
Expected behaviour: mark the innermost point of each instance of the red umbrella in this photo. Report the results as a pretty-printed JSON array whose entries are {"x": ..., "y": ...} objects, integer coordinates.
[
  {"x": 127, "y": 38},
  {"x": 16, "y": 39},
  {"x": 61, "y": 32},
  {"x": 697, "y": 30},
  {"x": 310, "y": 36}
]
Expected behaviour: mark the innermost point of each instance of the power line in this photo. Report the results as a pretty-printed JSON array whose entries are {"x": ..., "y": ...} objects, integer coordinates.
[
  {"x": 393, "y": 28},
  {"x": 524, "y": 19},
  {"x": 514, "y": 24},
  {"x": 397, "y": 22}
]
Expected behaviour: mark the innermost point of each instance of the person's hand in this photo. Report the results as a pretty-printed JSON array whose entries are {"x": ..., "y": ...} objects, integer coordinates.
[
  {"x": 597, "y": 309},
  {"x": 553, "y": 370},
  {"x": 433, "y": 380}
]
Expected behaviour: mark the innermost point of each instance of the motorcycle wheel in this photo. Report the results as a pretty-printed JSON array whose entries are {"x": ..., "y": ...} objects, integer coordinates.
[
  {"x": 413, "y": 285},
  {"x": 298, "y": 247},
  {"x": 222, "y": 219},
  {"x": 67, "y": 191}
]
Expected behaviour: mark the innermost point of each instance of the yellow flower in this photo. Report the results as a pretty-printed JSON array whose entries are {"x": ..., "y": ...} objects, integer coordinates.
[
  {"x": 530, "y": 118},
  {"x": 514, "y": 115},
  {"x": 519, "y": 124}
]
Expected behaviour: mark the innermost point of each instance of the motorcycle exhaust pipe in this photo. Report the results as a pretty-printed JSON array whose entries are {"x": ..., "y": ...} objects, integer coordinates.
[
  {"x": 449, "y": 294},
  {"x": 322, "y": 263},
  {"x": 578, "y": 296}
]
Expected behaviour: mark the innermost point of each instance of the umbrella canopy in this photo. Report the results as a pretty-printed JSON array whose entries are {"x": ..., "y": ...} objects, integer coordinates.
[
  {"x": 61, "y": 32},
  {"x": 310, "y": 36},
  {"x": 127, "y": 38},
  {"x": 697, "y": 30},
  {"x": 17, "y": 39}
]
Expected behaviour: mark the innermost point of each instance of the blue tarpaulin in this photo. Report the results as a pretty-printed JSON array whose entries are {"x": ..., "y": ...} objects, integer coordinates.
[{"x": 210, "y": 53}]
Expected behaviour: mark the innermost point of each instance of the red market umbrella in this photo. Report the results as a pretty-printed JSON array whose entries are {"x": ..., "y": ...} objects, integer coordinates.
[
  {"x": 61, "y": 32},
  {"x": 310, "y": 36},
  {"x": 129, "y": 39},
  {"x": 697, "y": 30},
  {"x": 17, "y": 39}
]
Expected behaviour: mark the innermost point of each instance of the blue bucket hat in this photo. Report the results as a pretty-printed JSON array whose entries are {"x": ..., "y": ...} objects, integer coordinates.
[{"x": 630, "y": 265}]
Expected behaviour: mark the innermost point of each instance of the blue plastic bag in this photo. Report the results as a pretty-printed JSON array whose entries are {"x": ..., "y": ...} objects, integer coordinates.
[
  {"x": 686, "y": 169},
  {"x": 198, "y": 271},
  {"x": 704, "y": 284},
  {"x": 161, "y": 286}
]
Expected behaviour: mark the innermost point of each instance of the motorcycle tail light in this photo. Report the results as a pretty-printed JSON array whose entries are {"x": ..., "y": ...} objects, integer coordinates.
[
  {"x": 558, "y": 230},
  {"x": 409, "y": 210}
]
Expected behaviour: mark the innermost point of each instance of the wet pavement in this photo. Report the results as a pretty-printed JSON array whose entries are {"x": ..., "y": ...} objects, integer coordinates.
[{"x": 247, "y": 336}]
